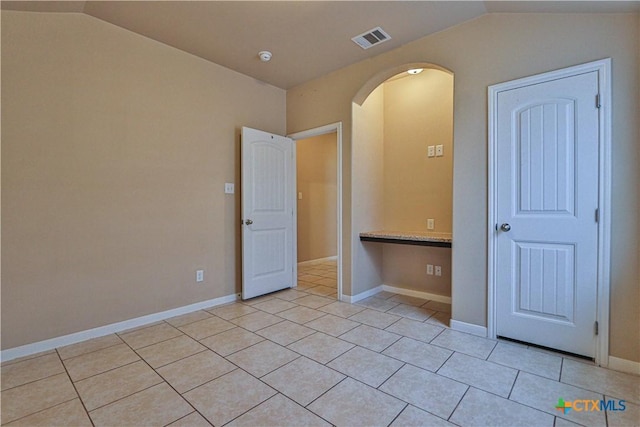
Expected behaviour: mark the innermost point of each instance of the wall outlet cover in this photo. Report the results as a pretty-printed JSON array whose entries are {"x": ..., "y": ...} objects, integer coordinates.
[
  {"x": 199, "y": 275},
  {"x": 439, "y": 150},
  {"x": 430, "y": 269},
  {"x": 438, "y": 270},
  {"x": 229, "y": 188},
  {"x": 431, "y": 151},
  {"x": 431, "y": 224}
]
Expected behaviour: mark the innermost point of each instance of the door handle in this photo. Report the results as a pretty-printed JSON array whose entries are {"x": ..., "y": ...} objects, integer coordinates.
[
  {"x": 505, "y": 227},
  {"x": 248, "y": 222}
]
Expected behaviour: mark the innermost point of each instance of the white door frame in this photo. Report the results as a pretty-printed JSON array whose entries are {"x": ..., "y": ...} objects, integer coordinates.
[
  {"x": 603, "y": 68},
  {"x": 322, "y": 130}
]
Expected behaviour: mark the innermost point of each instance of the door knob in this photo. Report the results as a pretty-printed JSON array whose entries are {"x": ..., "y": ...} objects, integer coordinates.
[
  {"x": 505, "y": 227},
  {"x": 248, "y": 222}
]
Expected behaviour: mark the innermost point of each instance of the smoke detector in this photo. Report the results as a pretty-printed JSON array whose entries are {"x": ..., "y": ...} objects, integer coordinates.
[
  {"x": 265, "y": 56},
  {"x": 371, "y": 38}
]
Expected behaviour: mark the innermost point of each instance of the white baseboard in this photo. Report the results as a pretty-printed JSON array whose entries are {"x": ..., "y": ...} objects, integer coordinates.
[
  {"x": 315, "y": 261},
  {"x": 624, "y": 365},
  {"x": 362, "y": 295},
  {"x": 469, "y": 328},
  {"x": 37, "y": 347},
  {"x": 417, "y": 294}
]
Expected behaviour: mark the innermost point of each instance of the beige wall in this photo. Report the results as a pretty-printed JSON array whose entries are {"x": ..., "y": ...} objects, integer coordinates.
[
  {"x": 316, "y": 172},
  {"x": 488, "y": 50},
  {"x": 405, "y": 266},
  {"x": 368, "y": 178},
  {"x": 115, "y": 149},
  {"x": 418, "y": 112}
]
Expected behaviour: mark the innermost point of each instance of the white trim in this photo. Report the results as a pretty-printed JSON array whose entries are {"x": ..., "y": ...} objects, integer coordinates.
[
  {"x": 624, "y": 365},
  {"x": 317, "y": 260},
  {"x": 416, "y": 294},
  {"x": 603, "y": 67},
  {"x": 333, "y": 127},
  {"x": 469, "y": 328},
  {"x": 362, "y": 295},
  {"x": 38, "y": 347},
  {"x": 294, "y": 255}
]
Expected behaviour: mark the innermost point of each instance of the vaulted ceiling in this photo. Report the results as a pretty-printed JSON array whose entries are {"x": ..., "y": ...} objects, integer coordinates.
[{"x": 308, "y": 39}]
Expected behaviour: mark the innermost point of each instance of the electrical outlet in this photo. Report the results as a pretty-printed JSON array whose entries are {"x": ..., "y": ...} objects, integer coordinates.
[
  {"x": 438, "y": 270},
  {"x": 431, "y": 224},
  {"x": 431, "y": 151},
  {"x": 300, "y": 195},
  {"x": 439, "y": 150},
  {"x": 199, "y": 275},
  {"x": 229, "y": 188},
  {"x": 430, "y": 269}
]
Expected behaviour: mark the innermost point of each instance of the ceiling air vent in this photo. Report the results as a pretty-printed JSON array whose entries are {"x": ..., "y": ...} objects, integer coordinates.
[{"x": 371, "y": 38}]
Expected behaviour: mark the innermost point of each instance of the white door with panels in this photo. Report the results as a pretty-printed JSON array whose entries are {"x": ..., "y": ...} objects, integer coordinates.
[
  {"x": 268, "y": 197},
  {"x": 547, "y": 178}
]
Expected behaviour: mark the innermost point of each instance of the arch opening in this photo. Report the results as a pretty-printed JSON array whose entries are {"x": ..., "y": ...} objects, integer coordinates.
[{"x": 402, "y": 179}]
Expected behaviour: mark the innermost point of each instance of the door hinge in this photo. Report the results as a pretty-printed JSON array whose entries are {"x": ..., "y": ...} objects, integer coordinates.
[
  {"x": 597, "y": 215},
  {"x": 598, "y": 105},
  {"x": 596, "y": 328}
]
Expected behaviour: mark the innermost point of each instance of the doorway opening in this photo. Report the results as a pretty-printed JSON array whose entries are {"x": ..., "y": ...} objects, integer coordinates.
[
  {"x": 318, "y": 211},
  {"x": 402, "y": 173}
]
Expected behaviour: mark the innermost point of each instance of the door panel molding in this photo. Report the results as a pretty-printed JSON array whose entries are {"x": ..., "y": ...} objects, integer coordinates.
[{"x": 603, "y": 69}]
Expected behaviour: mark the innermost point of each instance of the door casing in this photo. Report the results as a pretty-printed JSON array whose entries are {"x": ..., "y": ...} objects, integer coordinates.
[
  {"x": 603, "y": 68},
  {"x": 333, "y": 127}
]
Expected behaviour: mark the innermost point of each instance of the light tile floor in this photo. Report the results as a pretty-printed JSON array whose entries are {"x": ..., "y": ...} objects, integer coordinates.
[{"x": 295, "y": 358}]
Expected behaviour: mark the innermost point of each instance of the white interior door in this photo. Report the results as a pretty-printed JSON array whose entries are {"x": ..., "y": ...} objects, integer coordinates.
[
  {"x": 268, "y": 197},
  {"x": 547, "y": 200}
]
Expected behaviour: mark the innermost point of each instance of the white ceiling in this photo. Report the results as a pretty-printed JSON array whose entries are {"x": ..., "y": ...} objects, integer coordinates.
[{"x": 308, "y": 39}]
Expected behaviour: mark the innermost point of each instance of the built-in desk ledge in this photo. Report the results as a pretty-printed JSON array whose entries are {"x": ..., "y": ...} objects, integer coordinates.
[{"x": 441, "y": 240}]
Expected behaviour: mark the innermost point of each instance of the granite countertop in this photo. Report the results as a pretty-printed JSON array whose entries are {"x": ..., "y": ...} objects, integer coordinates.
[{"x": 413, "y": 236}]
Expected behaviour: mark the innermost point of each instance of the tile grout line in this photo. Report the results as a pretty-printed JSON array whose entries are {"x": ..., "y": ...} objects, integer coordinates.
[
  {"x": 92, "y": 351},
  {"x": 513, "y": 385},
  {"x": 34, "y": 381},
  {"x": 5, "y": 363},
  {"x": 164, "y": 381},
  {"x": 183, "y": 417},
  {"x": 327, "y": 390},
  {"x": 277, "y": 393},
  {"x": 108, "y": 370},
  {"x": 75, "y": 389},
  {"x": 459, "y": 402},
  {"x": 51, "y": 407},
  {"x": 389, "y": 377},
  {"x": 398, "y": 414},
  {"x": 180, "y": 358}
]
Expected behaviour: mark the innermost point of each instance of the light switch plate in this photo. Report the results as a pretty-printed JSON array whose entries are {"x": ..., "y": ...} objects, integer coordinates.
[
  {"x": 229, "y": 188},
  {"x": 439, "y": 150},
  {"x": 438, "y": 270},
  {"x": 431, "y": 151}
]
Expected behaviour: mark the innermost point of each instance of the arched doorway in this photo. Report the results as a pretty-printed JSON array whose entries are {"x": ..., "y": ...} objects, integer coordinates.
[{"x": 402, "y": 169}]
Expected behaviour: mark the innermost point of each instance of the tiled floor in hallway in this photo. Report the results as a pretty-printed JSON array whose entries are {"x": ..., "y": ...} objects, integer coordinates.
[
  {"x": 319, "y": 277},
  {"x": 297, "y": 358}
]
